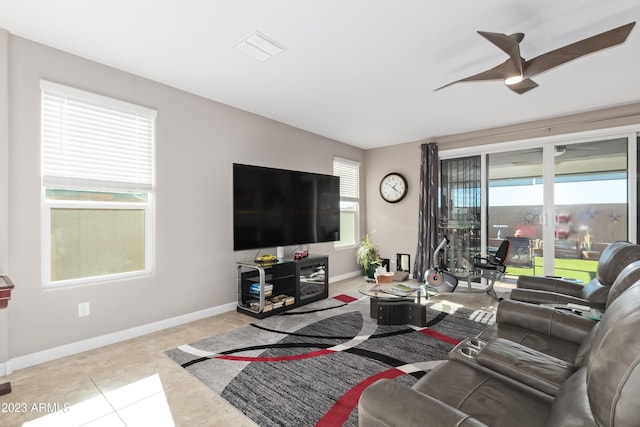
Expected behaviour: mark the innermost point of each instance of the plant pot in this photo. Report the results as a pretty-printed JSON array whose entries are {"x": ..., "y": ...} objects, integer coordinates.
[
  {"x": 384, "y": 278},
  {"x": 370, "y": 272}
]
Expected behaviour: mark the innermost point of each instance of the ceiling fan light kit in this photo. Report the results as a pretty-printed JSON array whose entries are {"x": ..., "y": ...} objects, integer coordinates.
[
  {"x": 512, "y": 80},
  {"x": 516, "y": 72}
]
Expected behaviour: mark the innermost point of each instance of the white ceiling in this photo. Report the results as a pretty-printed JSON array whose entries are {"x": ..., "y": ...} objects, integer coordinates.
[{"x": 361, "y": 72}]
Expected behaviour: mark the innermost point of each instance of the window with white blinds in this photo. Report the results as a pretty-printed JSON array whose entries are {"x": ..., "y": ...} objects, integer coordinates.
[
  {"x": 94, "y": 142},
  {"x": 349, "y": 173},
  {"x": 98, "y": 179}
]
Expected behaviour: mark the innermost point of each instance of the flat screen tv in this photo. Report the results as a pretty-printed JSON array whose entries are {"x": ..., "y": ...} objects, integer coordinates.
[{"x": 278, "y": 207}]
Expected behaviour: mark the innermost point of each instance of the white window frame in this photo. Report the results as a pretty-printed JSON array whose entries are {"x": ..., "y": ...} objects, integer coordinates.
[
  {"x": 146, "y": 186},
  {"x": 353, "y": 197}
]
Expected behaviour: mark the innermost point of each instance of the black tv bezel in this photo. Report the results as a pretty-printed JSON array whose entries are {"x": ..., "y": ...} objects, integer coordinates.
[{"x": 241, "y": 244}]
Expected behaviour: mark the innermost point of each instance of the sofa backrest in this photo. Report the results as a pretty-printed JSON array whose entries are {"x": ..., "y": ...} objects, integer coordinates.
[
  {"x": 614, "y": 259},
  {"x": 613, "y": 363},
  {"x": 627, "y": 277}
]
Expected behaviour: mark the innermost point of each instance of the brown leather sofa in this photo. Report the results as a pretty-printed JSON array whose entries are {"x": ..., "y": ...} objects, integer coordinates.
[
  {"x": 493, "y": 381},
  {"x": 555, "y": 332},
  {"x": 548, "y": 290}
]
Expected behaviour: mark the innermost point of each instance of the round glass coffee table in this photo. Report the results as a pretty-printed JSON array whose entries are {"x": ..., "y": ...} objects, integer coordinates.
[{"x": 397, "y": 303}]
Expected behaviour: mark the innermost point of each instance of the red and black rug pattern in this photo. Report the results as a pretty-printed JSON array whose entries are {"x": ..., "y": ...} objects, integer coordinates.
[{"x": 308, "y": 366}]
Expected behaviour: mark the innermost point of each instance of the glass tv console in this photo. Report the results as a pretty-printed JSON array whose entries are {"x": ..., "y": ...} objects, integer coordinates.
[{"x": 269, "y": 288}]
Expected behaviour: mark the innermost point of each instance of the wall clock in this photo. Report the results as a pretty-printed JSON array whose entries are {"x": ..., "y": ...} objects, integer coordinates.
[{"x": 393, "y": 187}]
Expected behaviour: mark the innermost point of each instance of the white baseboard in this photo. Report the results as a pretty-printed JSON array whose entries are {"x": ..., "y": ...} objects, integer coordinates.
[
  {"x": 54, "y": 353},
  {"x": 115, "y": 337},
  {"x": 345, "y": 276}
]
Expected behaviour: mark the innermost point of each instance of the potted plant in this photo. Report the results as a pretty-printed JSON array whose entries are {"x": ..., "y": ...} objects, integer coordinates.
[
  {"x": 587, "y": 252},
  {"x": 368, "y": 257}
]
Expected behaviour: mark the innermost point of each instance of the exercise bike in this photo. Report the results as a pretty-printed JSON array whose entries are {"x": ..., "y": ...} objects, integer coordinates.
[{"x": 438, "y": 278}]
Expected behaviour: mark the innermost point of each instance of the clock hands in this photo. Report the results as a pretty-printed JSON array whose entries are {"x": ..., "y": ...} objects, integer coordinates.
[{"x": 393, "y": 187}]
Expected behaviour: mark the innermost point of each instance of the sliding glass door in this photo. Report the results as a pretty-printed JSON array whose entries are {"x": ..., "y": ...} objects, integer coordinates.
[
  {"x": 566, "y": 223},
  {"x": 559, "y": 203},
  {"x": 460, "y": 211},
  {"x": 590, "y": 204},
  {"x": 515, "y": 206}
]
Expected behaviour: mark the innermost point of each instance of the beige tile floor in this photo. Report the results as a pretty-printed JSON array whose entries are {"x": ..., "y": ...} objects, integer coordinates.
[{"x": 133, "y": 383}]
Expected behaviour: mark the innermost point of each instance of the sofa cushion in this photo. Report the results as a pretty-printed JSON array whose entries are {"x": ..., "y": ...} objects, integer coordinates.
[
  {"x": 554, "y": 332},
  {"x": 551, "y": 284},
  {"x": 553, "y": 346},
  {"x": 487, "y": 399}
]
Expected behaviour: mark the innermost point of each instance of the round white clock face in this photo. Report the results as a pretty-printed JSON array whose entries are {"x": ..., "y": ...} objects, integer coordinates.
[{"x": 393, "y": 187}]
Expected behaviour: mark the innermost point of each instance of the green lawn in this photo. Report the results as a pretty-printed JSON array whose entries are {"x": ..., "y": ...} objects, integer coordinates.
[{"x": 580, "y": 269}]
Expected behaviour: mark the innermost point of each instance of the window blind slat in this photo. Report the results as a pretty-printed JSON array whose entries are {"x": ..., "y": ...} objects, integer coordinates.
[
  {"x": 94, "y": 141},
  {"x": 94, "y": 185},
  {"x": 349, "y": 172}
]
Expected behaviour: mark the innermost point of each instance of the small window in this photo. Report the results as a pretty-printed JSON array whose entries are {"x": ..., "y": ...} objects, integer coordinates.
[
  {"x": 349, "y": 173},
  {"x": 97, "y": 175}
]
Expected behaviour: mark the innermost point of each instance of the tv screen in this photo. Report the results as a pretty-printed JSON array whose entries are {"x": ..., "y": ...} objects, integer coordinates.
[{"x": 278, "y": 207}]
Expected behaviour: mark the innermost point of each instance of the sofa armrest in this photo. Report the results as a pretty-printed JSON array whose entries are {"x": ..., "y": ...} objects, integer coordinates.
[
  {"x": 550, "y": 284},
  {"x": 389, "y": 403},
  {"x": 535, "y": 296},
  {"x": 526, "y": 365},
  {"x": 545, "y": 320}
]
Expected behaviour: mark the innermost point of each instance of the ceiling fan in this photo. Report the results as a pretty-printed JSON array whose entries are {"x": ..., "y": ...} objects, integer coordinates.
[{"x": 516, "y": 72}]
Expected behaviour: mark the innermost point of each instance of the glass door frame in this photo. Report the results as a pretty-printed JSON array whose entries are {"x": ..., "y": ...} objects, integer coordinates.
[{"x": 548, "y": 143}]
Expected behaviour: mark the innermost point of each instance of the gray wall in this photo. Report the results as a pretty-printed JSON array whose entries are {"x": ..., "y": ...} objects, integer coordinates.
[
  {"x": 393, "y": 226},
  {"x": 197, "y": 142}
]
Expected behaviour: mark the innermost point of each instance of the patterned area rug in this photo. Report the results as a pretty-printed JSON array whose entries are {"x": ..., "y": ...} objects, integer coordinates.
[{"x": 309, "y": 366}]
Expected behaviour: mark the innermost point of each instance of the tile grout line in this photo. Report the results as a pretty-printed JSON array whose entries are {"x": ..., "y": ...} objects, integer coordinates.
[{"x": 115, "y": 411}]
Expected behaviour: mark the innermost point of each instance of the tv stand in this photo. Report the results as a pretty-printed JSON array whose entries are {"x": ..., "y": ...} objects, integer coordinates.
[{"x": 265, "y": 289}]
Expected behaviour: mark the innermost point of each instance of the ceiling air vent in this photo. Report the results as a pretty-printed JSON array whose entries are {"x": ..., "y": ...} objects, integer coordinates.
[{"x": 260, "y": 46}]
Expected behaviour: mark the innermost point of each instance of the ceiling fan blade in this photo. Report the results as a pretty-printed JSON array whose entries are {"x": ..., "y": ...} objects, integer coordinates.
[
  {"x": 575, "y": 50},
  {"x": 524, "y": 86},
  {"x": 499, "y": 72},
  {"x": 508, "y": 44}
]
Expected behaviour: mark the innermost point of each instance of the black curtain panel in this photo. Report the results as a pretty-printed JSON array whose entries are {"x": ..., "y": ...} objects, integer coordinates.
[{"x": 428, "y": 210}]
